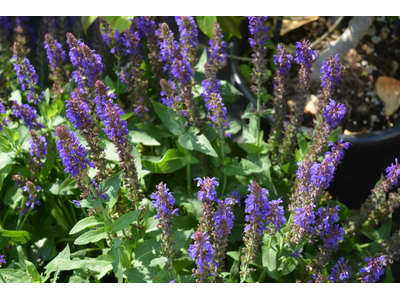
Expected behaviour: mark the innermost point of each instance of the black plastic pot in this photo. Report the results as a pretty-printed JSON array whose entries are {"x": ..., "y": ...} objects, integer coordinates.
[{"x": 364, "y": 162}]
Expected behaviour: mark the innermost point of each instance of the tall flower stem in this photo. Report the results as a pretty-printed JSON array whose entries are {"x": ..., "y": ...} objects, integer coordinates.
[
  {"x": 221, "y": 135},
  {"x": 189, "y": 176}
]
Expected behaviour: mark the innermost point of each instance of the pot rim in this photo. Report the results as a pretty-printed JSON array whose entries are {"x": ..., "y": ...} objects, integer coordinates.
[{"x": 369, "y": 139}]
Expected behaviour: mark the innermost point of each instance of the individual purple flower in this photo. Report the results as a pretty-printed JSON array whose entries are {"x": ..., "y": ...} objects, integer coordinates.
[
  {"x": 283, "y": 60},
  {"x": 304, "y": 53},
  {"x": 305, "y": 217},
  {"x": 26, "y": 74},
  {"x": 88, "y": 64},
  {"x": 99, "y": 193},
  {"x": 340, "y": 272},
  {"x": 393, "y": 173},
  {"x": 331, "y": 72},
  {"x": 114, "y": 40},
  {"x": 276, "y": 214},
  {"x": 296, "y": 254},
  {"x": 202, "y": 252},
  {"x": 334, "y": 113},
  {"x": 173, "y": 281},
  {"x": 2, "y": 260},
  {"x": 77, "y": 203},
  {"x": 72, "y": 153},
  {"x": 373, "y": 270},
  {"x": 235, "y": 197},
  {"x": 27, "y": 114}
]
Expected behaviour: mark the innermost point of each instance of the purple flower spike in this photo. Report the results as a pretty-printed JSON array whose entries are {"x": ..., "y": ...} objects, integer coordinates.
[
  {"x": 2, "y": 260},
  {"x": 283, "y": 60},
  {"x": 72, "y": 153},
  {"x": 27, "y": 114},
  {"x": 334, "y": 113},
  {"x": 393, "y": 173},
  {"x": 304, "y": 54},
  {"x": 373, "y": 270},
  {"x": 340, "y": 272},
  {"x": 331, "y": 72},
  {"x": 305, "y": 217},
  {"x": 202, "y": 252},
  {"x": 275, "y": 214}
]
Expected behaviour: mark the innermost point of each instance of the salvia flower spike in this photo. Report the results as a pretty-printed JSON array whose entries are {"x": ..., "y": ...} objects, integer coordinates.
[{"x": 202, "y": 252}]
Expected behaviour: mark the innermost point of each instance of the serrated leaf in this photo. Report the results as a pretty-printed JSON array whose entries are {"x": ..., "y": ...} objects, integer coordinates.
[
  {"x": 190, "y": 140},
  {"x": 206, "y": 24},
  {"x": 32, "y": 272},
  {"x": 92, "y": 236},
  {"x": 244, "y": 168},
  {"x": 124, "y": 221},
  {"x": 17, "y": 236},
  {"x": 85, "y": 223},
  {"x": 143, "y": 137},
  {"x": 269, "y": 261},
  {"x": 172, "y": 161},
  {"x": 174, "y": 123}
]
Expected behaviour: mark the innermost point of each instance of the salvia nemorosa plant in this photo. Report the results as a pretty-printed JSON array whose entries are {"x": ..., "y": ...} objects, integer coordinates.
[{"x": 151, "y": 114}]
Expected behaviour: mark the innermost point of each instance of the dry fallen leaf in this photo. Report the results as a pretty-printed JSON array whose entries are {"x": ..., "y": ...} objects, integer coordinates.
[
  {"x": 388, "y": 89},
  {"x": 311, "y": 106},
  {"x": 289, "y": 25}
]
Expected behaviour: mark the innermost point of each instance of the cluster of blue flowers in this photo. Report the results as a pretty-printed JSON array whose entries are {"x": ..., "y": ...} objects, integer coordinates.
[
  {"x": 54, "y": 51},
  {"x": 283, "y": 60},
  {"x": 163, "y": 202},
  {"x": 202, "y": 252},
  {"x": 258, "y": 29},
  {"x": 374, "y": 269},
  {"x": 334, "y": 113},
  {"x": 38, "y": 147},
  {"x": 340, "y": 272},
  {"x": 78, "y": 111},
  {"x": 393, "y": 173},
  {"x": 115, "y": 128},
  {"x": 331, "y": 72},
  {"x": 304, "y": 54},
  {"x": 88, "y": 64},
  {"x": 27, "y": 114},
  {"x": 72, "y": 153}
]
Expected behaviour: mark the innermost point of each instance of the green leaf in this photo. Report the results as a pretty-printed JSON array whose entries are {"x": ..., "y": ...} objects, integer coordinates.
[
  {"x": 174, "y": 123},
  {"x": 32, "y": 272},
  {"x": 230, "y": 25},
  {"x": 234, "y": 127},
  {"x": 154, "y": 131},
  {"x": 206, "y": 24},
  {"x": 14, "y": 276},
  {"x": 119, "y": 23},
  {"x": 191, "y": 141},
  {"x": 143, "y": 137},
  {"x": 91, "y": 236},
  {"x": 110, "y": 83},
  {"x": 66, "y": 185},
  {"x": 172, "y": 161},
  {"x": 246, "y": 71},
  {"x": 13, "y": 197},
  {"x": 244, "y": 168},
  {"x": 124, "y": 221},
  {"x": 200, "y": 65},
  {"x": 5, "y": 145},
  {"x": 87, "y": 21},
  {"x": 269, "y": 261},
  {"x": 127, "y": 116},
  {"x": 229, "y": 93},
  {"x": 111, "y": 186},
  {"x": 20, "y": 236},
  {"x": 253, "y": 148},
  {"x": 16, "y": 96},
  {"x": 85, "y": 223}
]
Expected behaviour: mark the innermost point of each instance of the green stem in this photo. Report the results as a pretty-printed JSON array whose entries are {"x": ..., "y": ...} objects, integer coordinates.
[
  {"x": 188, "y": 176},
  {"x": 24, "y": 220},
  {"x": 258, "y": 111},
  {"x": 20, "y": 216},
  {"x": 5, "y": 218}
]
